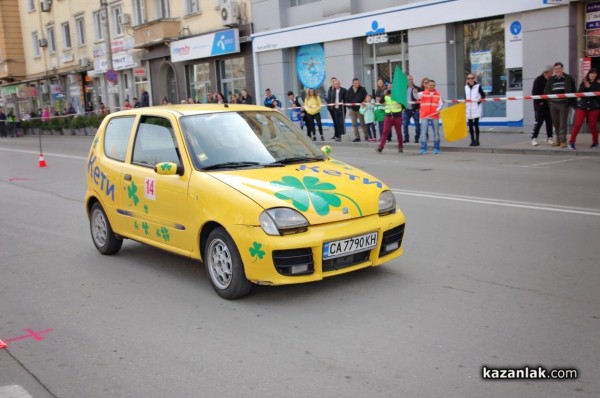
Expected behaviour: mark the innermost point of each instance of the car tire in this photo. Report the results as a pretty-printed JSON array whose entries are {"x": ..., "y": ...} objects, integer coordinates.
[
  {"x": 224, "y": 266},
  {"x": 103, "y": 236}
]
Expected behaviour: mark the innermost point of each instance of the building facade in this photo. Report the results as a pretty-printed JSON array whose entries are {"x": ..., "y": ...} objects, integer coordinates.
[
  {"x": 106, "y": 52},
  {"x": 505, "y": 43}
]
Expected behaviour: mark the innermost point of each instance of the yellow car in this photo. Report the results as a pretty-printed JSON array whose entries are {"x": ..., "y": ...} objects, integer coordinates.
[{"x": 242, "y": 189}]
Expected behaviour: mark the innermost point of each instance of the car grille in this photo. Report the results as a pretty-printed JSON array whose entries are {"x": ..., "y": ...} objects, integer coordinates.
[
  {"x": 346, "y": 261},
  {"x": 285, "y": 260},
  {"x": 390, "y": 238}
]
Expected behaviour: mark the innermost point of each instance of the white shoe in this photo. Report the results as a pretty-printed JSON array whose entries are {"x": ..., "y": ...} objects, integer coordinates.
[
  {"x": 534, "y": 142},
  {"x": 550, "y": 141}
]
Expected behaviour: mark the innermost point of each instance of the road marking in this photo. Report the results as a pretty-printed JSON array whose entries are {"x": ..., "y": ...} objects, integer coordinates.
[
  {"x": 30, "y": 333},
  {"x": 14, "y": 391},
  {"x": 501, "y": 202},
  {"x": 543, "y": 165},
  {"x": 57, "y": 155}
]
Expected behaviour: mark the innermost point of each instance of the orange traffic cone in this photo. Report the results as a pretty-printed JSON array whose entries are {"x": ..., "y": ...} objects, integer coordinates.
[
  {"x": 2, "y": 344},
  {"x": 42, "y": 162}
]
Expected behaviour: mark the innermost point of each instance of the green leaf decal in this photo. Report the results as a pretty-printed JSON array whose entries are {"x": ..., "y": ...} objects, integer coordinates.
[
  {"x": 256, "y": 252},
  {"x": 146, "y": 209},
  {"x": 131, "y": 193},
  {"x": 165, "y": 166},
  {"x": 145, "y": 227},
  {"x": 309, "y": 190}
]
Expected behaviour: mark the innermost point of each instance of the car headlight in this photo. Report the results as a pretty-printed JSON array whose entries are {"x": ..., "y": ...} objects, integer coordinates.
[
  {"x": 387, "y": 203},
  {"x": 282, "y": 221}
]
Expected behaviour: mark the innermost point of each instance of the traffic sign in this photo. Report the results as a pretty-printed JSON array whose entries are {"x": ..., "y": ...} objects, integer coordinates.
[{"x": 111, "y": 75}]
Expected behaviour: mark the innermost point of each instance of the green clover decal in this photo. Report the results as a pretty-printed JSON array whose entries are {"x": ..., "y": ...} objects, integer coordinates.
[
  {"x": 146, "y": 209},
  {"x": 309, "y": 190},
  {"x": 166, "y": 166},
  {"x": 256, "y": 252},
  {"x": 95, "y": 143},
  {"x": 145, "y": 227},
  {"x": 135, "y": 225},
  {"x": 131, "y": 193},
  {"x": 163, "y": 232}
]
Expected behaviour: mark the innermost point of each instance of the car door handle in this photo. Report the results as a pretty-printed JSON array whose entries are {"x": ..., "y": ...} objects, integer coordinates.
[{"x": 127, "y": 177}]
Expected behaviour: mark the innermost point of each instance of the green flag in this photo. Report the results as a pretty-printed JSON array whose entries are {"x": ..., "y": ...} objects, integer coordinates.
[{"x": 400, "y": 87}]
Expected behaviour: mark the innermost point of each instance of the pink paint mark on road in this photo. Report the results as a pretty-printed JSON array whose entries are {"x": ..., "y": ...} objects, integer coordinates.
[
  {"x": 19, "y": 179},
  {"x": 30, "y": 333}
]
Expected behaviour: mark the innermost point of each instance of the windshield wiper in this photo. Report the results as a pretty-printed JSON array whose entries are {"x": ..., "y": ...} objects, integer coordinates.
[
  {"x": 296, "y": 159},
  {"x": 230, "y": 165}
]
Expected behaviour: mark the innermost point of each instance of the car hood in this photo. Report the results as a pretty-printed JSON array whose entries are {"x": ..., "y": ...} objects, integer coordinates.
[{"x": 322, "y": 191}]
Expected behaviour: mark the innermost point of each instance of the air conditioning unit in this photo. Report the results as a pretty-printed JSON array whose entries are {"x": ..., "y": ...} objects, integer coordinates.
[
  {"x": 43, "y": 43},
  {"x": 84, "y": 62},
  {"x": 45, "y": 5},
  {"x": 125, "y": 19},
  {"x": 230, "y": 12}
]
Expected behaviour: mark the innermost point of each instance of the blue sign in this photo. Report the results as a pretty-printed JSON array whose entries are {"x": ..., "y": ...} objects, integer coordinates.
[
  {"x": 515, "y": 28},
  {"x": 310, "y": 65},
  {"x": 375, "y": 29},
  {"x": 224, "y": 43}
]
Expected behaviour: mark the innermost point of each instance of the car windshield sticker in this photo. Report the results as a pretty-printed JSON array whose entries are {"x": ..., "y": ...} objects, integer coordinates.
[
  {"x": 149, "y": 188},
  {"x": 255, "y": 251}
]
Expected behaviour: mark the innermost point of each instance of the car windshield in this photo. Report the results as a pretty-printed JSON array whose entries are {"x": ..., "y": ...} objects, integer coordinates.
[{"x": 245, "y": 139}]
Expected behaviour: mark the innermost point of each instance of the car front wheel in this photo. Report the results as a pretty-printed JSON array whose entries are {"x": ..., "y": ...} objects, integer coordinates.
[
  {"x": 225, "y": 267},
  {"x": 103, "y": 236}
]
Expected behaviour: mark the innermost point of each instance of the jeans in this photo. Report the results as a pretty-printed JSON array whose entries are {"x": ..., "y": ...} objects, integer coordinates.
[
  {"x": 434, "y": 123},
  {"x": 406, "y": 115},
  {"x": 389, "y": 122},
  {"x": 338, "y": 121},
  {"x": 592, "y": 118}
]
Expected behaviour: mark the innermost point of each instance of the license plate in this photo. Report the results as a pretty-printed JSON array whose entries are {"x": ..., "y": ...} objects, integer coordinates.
[{"x": 351, "y": 245}]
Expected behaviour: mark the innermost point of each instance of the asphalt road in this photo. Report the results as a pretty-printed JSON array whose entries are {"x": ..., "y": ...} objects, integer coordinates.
[{"x": 500, "y": 270}]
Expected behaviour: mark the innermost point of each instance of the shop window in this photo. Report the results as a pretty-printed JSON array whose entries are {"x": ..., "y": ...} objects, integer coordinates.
[
  {"x": 233, "y": 76},
  {"x": 199, "y": 81},
  {"x": 484, "y": 56}
]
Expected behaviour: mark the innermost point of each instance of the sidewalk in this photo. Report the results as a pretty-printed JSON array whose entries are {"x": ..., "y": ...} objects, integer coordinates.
[{"x": 509, "y": 140}]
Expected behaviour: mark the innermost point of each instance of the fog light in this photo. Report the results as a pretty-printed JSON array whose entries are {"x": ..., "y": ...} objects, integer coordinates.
[
  {"x": 299, "y": 269},
  {"x": 391, "y": 246}
]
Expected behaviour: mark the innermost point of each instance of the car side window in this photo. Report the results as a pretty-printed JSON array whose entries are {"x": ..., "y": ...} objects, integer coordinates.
[
  {"x": 155, "y": 142},
  {"x": 116, "y": 137}
]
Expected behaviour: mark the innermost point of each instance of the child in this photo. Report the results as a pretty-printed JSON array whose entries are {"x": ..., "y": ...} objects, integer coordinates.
[
  {"x": 379, "y": 114},
  {"x": 368, "y": 110}
]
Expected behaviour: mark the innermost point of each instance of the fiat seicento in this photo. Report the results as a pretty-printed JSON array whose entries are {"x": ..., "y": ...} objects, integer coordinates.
[{"x": 240, "y": 188}]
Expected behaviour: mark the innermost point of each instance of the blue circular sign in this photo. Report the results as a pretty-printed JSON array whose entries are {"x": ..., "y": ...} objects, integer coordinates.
[
  {"x": 111, "y": 75},
  {"x": 310, "y": 65},
  {"x": 515, "y": 28}
]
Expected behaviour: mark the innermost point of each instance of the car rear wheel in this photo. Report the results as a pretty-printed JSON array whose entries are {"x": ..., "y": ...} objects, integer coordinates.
[
  {"x": 224, "y": 266},
  {"x": 102, "y": 234}
]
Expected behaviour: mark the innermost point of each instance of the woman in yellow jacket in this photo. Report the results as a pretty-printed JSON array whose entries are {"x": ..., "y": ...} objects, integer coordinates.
[{"x": 312, "y": 107}]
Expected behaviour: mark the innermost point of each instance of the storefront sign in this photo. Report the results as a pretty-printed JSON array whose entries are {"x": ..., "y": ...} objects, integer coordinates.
[
  {"x": 139, "y": 72},
  {"x": 57, "y": 91},
  {"x": 593, "y": 43},
  {"x": 481, "y": 67},
  {"x": 27, "y": 92},
  {"x": 592, "y": 16},
  {"x": 310, "y": 64},
  {"x": 218, "y": 43}
]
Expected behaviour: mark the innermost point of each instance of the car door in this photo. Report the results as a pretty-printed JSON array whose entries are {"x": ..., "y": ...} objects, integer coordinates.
[{"x": 157, "y": 205}]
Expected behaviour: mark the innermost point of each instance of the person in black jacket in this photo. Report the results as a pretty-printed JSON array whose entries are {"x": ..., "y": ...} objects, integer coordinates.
[
  {"x": 356, "y": 94},
  {"x": 540, "y": 107},
  {"x": 336, "y": 97},
  {"x": 587, "y": 108}
]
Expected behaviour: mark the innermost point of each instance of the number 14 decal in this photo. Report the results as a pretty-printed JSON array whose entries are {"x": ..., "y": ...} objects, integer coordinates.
[{"x": 149, "y": 188}]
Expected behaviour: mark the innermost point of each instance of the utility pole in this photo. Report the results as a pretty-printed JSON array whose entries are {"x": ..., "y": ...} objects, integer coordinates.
[{"x": 110, "y": 103}]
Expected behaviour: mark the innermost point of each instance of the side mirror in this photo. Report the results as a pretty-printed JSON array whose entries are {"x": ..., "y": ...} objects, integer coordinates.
[
  {"x": 326, "y": 149},
  {"x": 168, "y": 169}
]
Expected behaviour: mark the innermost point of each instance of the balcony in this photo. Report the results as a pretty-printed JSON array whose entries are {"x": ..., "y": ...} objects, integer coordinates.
[{"x": 156, "y": 32}]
